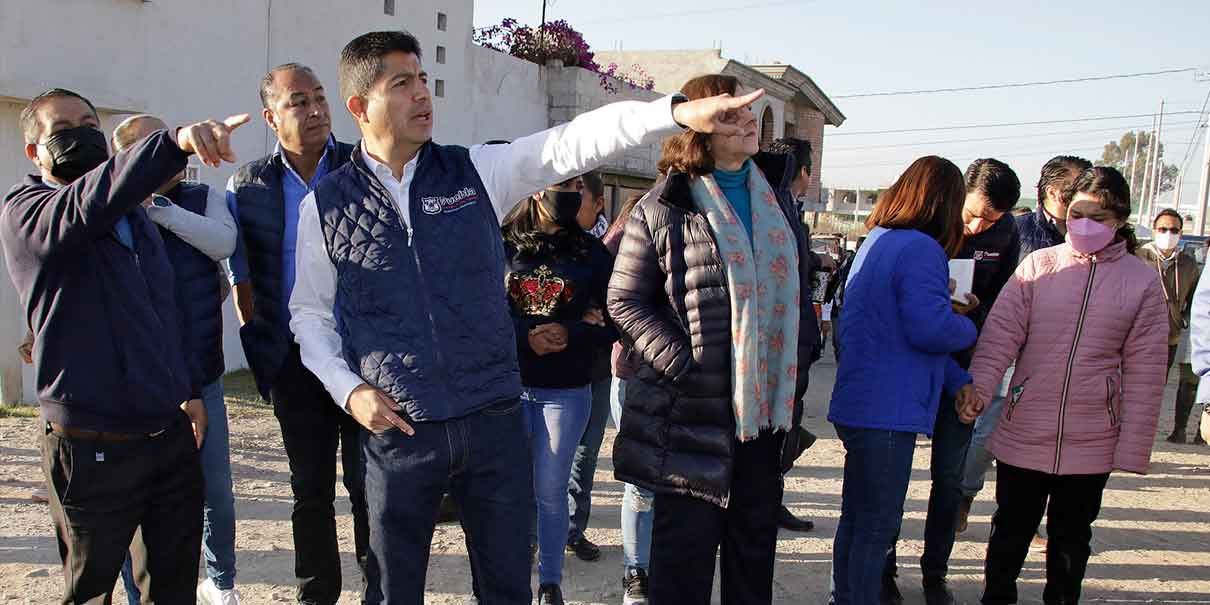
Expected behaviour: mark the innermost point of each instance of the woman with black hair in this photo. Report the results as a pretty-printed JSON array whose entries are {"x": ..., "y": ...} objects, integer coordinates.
[{"x": 555, "y": 283}]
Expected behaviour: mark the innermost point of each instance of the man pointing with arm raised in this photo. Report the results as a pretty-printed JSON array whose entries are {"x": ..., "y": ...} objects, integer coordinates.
[{"x": 397, "y": 307}]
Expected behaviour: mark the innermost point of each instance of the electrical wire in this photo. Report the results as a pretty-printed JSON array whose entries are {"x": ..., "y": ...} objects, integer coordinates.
[
  {"x": 1006, "y": 124},
  {"x": 1003, "y": 138},
  {"x": 898, "y": 93}
]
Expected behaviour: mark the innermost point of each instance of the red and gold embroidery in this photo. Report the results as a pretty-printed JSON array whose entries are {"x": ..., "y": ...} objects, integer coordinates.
[{"x": 538, "y": 293}]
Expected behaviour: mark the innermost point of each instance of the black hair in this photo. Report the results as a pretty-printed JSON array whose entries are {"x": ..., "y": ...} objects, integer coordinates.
[
  {"x": 522, "y": 234},
  {"x": 361, "y": 60},
  {"x": 1180, "y": 220},
  {"x": 266, "y": 83},
  {"x": 594, "y": 185},
  {"x": 996, "y": 181},
  {"x": 1058, "y": 172},
  {"x": 1109, "y": 186},
  {"x": 28, "y": 119},
  {"x": 798, "y": 149}
]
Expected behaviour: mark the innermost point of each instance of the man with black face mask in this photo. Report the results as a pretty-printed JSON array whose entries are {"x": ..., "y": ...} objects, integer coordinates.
[{"x": 118, "y": 393}]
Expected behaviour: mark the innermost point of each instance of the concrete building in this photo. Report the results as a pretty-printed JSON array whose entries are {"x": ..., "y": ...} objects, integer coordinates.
[
  {"x": 793, "y": 104},
  {"x": 186, "y": 61}
]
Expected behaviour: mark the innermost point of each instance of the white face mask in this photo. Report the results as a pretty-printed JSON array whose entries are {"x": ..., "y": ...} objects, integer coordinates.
[{"x": 1167, "y": 241}]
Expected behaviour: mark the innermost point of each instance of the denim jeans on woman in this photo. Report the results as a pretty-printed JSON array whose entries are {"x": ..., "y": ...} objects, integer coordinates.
[
  {"x": 877, "y": 469},
  {"x": 556, "y": 420},
  {"x": 637, "y": 502},
  {"x": 218, "y": 526}
]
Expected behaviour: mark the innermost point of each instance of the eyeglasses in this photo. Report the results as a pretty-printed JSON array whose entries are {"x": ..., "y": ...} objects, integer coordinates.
[{"x": 1175, "y": 230}]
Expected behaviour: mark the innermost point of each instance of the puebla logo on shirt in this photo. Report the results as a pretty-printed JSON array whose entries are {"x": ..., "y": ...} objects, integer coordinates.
[
  {"x": 464, "y": 197},
  {"x": 986, "y": 255}
]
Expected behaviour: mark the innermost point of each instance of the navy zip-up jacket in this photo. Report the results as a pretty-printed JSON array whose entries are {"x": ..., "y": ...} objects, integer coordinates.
[{"x": 109, "y": 351}]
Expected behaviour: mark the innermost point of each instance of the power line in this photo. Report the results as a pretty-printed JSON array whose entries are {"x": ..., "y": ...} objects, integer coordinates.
[
  {"x": 1005, "y": 124},
  {"x": 958, "y": 158},
  {"x": 690, "y": 13},
  {"x": 1015, "y": 84},
  {"x": 1003, "y": 138},
  {"x": 1193, "y": 137}
]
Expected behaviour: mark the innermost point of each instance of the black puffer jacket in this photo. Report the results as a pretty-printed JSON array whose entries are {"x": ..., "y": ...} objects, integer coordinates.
[{"x": 668, "y": 297}]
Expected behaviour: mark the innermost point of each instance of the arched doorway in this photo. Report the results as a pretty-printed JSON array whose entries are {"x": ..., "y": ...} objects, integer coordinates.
[{"x": 766, "y": 127}]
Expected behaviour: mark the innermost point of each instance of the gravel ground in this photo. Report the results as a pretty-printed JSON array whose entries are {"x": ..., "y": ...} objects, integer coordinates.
[{"x": 1151, "y": 544}]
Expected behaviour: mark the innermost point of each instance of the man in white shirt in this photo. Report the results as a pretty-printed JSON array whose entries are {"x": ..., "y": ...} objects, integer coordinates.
[{"x": 399, "y": 308}]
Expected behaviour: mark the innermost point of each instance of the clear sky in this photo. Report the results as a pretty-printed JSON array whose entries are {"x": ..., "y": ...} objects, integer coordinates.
[{"x": 858, "y": 46}]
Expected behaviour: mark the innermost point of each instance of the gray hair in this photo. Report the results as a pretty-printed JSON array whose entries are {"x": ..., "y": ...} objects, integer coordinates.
[
  {"x": 123, "y": 134},
  {"x": 266, "y": 83}
]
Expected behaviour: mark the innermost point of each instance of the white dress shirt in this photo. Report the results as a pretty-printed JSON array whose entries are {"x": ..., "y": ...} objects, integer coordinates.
[{"x": 509, "y": 172}]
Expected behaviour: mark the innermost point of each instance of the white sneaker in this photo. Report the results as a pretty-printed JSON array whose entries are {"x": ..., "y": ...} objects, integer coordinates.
[{"x": 209, "y": 594}]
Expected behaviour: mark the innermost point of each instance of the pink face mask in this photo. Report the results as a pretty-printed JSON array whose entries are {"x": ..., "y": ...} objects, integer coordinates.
[{"x": 1088, "y": 236}]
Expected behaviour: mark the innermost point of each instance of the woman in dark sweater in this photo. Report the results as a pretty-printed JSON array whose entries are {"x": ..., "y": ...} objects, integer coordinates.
[{"x": 556, "y": 281}]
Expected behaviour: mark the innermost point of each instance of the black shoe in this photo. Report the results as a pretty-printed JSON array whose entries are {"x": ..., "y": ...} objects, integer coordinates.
[
  {"x": 550, "y": 594},
  {"x": 890, "y": 595},
  {"x": 1177, "y": 436},
  {"x": 584, "y": 550},
  {"x": 787, "y": 520},
  {"x": 448, "y": 511},
  {"x": 937, "y": 593},
  {"x": 1197, "y": 439},
  {"x": 635, "y": 585}
]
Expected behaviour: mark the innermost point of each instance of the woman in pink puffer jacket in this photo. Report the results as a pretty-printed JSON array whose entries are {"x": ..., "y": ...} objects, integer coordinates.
[{"x": 1086, "y": 324}]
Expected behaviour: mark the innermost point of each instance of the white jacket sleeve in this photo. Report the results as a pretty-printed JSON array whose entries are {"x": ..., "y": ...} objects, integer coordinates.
[
  {"x": 311, "y": 312},
  {"x": 213, "y": 234},
  {"x": 529, "y": 164}
]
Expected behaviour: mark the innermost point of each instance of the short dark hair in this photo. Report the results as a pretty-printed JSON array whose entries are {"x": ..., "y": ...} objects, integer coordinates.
[
  {"x": 1109, "y": 186},
  {"x": 1059, "y": 172},
  {"x": 799, "y": 149},
  {"x": 266, "y": 83},
  {"x": 29, "y": 121},
  {"x": 996, "y": 181},
  {"x": 1180, "y": 220},
  {"x": 689, "y": 152},
  {"x": 361, "y": 59}
]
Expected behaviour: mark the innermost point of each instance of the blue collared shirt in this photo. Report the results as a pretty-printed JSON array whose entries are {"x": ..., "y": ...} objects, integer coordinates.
[{"x": 294, "y": 189}]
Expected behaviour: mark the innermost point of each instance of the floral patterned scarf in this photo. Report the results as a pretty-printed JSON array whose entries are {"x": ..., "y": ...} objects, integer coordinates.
[{"x": 763, "y": 284}]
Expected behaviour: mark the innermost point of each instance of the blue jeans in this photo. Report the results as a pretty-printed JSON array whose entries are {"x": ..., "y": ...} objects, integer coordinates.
[
  {"x": 637, "y": 502},
  {"x": 218, "y": 526},
  {"x": 951, "y": 440},
  {"x": 877, "y": 468},
  {"x": 584, "y": 464},
  {"x": 482, "y": 461},
  {"x": 556, "y": 419},
  {"x": 978, "y": 460}
]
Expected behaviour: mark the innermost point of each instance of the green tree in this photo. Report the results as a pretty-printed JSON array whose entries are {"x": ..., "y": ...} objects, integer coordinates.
[{"x": 1114, "y": 155}]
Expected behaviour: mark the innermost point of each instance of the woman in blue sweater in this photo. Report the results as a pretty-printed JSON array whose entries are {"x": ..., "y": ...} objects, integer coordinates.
[{"x": 896, "y": 335}]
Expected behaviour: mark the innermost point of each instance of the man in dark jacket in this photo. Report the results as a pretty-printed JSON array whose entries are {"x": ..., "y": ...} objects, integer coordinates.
[
  {"x": 198, "y": 232},
  {"x": 397, "y": 308},
  {"x": 264, "y": 196},
  {"x": 117, "y": 389},
  {"x": 1047, "y": 226},
  {"x": 992, "y": 189},
  {"x": 787, "y": 165}
]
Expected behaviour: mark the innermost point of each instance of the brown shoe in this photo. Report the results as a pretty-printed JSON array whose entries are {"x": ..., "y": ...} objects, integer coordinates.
[
  {"x": 964, "y": 511},
  {"x": 40, "y": 496}
]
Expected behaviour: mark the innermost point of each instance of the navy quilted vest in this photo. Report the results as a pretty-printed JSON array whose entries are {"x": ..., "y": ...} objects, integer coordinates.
[
  {"x": 258, "y": 190},
  {"x": 197, "y": 286},
  {"x": 422, "y": 315}
]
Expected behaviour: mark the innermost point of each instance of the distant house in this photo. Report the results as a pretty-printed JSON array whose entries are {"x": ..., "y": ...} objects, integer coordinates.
[{"x": 793, "y": 104}]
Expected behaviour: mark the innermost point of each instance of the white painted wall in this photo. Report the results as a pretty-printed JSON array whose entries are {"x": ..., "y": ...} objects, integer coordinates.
[{"x": 185, "y": 60}]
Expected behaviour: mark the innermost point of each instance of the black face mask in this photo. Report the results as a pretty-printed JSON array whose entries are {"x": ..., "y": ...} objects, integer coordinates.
[
  {"x": 75, "y": 151},
  {"x": 563, "y": 207}
]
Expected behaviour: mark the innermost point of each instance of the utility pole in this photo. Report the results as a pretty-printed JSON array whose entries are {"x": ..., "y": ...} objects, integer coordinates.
[
  {"x": 1159, "y": 167},
  {"x": 1134, "y": 159},
  {"x": 1203, "y": 191},
  {"x": 1147, "y": 168}
]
